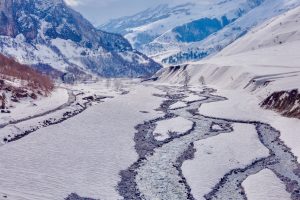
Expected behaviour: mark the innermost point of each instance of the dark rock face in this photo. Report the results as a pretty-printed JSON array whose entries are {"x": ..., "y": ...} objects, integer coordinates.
[
  {"x": 286, "y": 103},
  {"x": 26, "y": 16},
  {"x": 41, "y": 22},
  {"x": 6, "y": 18}
]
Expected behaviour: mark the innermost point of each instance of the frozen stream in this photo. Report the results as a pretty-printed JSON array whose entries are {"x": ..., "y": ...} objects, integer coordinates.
[
  {"x": 89, "y": 155},
  {"x": 158, "y": 175}
]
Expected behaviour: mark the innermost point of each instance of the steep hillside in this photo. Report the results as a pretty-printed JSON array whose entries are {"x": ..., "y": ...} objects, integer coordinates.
[
  {"x": 264, "y": 62},
  {"x": 20, "y": 82},
  {"x": 50, "y": 35},
  {"x": 193, "y": 30},
  {"x": 285, "y": 102}
]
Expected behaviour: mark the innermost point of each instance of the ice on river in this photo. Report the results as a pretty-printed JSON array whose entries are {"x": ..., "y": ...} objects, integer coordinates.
[{"x": 83, "y": 154}]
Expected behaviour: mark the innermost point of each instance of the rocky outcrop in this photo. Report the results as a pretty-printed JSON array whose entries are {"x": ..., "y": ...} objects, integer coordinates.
[
  {"x": 286, "y": 103},
  {"x": 6, "y": 18}
]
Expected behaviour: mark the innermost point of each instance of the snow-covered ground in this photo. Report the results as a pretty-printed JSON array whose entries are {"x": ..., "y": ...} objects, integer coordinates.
[
  {"x": 177, "y": 105},
  {"x": 33, "y": 107},
  {"x": 242, "y": 106},
  {"x": 155, "y": 31},
  {"x": 248, "y": 71},
  {"x": 218, "y": 155},
  {"x": 83, "y": 154},
  {"x": 269, "y": 52},
  {"x": 192, "y": 98},
  {"x": 264, "y": 61},
  {"x": 177, "y": 125},
  {"x": 265, "y": 186},
  {"x": 88, "y": 153}
]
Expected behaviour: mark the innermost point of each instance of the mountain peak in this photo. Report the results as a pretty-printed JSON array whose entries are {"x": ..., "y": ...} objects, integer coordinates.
[{"x": 48, "y": 32}]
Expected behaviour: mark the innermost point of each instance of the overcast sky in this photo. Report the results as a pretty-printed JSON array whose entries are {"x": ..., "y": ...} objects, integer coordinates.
[{"x": 100, "y": 11}]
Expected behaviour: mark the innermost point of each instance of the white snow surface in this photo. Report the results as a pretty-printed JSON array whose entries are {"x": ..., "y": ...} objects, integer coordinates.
[
  {"x": 265, "y": 185},
  {"x": 250, "y": 70},
  {"x": 216, "y": 127},
  {"x": 178, "y": 125},
  {"x": 193, "y": 97},
  {"x": 83, "y": 154},
  {"x": 33, "y": 107},
  {"x": 243, "y": 106},
  {"x": 152, "y": 32},
  {"x": 178, "y": 105},
  {"x": 218, "y": 155}
]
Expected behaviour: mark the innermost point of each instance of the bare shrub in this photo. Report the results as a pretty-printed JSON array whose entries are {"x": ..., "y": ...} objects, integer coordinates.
[{"x": 32, "y": 79}]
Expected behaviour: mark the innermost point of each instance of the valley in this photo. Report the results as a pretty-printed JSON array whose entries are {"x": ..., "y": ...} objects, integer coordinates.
[
  {"x": 146, "y": 167},
  {"x": 185, "y": 100}
]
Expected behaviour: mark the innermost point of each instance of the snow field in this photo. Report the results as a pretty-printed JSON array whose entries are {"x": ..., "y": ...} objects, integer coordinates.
[
  {"x": 243, "y": 106},
  {"x": 177, "y": 105},
  {"x": 178, "y": 125},
  {"x": 33, "y": 107},
  {"x": 83, "y": 154},
  {"x": 193, "y": 97},
  {"x": 217, "y": 155},
  {"x": 265, "y": 186}
]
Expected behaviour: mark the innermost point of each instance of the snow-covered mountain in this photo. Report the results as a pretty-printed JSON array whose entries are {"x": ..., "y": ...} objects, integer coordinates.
[
  {"x": 264, "y": 62},
  {"x": 192, "y": 30},
  {"x": 51, "y": 36}
]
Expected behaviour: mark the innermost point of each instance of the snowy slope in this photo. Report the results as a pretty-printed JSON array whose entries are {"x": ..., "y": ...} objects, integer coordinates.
[
  {"x": 259, "y": 61},
  {"x": 25, "y": 92},
  {"x": 192, "y": 30},
  {"x": 155, "y": 22},
  {"x": 264, "y": 61},
  {"x": 217, "y": 41},
  {"x": 51, "y": 36}
]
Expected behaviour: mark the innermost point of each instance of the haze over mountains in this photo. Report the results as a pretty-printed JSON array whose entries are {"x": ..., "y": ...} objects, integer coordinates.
[{"x": 191, "y": 30}]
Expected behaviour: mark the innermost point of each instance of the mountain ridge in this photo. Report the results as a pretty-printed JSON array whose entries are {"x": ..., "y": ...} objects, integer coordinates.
[
  {"x": 51, "y": 33},
  {"x": 199, "y": 30}
]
